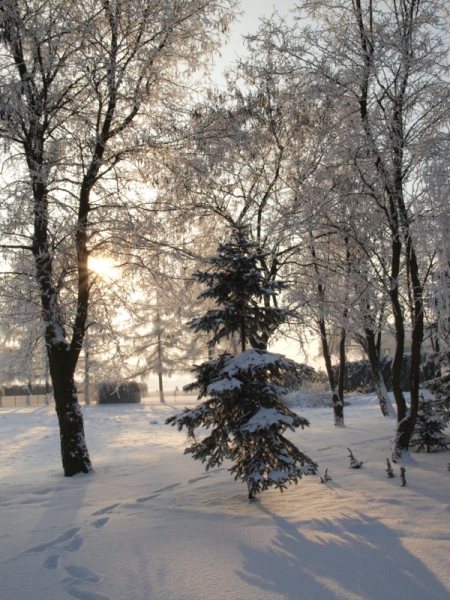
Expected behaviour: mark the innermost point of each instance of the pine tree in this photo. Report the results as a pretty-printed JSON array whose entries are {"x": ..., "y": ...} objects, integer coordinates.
[
  {"x": 428, "y": 434},
  {"x": 237, "y": 285},
  {"x": 244, "y": 409}
]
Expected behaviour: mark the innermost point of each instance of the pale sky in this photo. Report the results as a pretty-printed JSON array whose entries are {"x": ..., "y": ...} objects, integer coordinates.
[{"x": 247, "y": 23}]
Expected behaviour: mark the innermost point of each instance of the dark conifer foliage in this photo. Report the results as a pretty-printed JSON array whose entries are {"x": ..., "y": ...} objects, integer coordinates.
[
  {"x": 243, "y": 407},
  {"x": 428, "y": 435},
  {"x": 243, "y": 295}
]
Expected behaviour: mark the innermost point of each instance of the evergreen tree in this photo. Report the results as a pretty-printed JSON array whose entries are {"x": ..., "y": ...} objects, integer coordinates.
[
  {"x": 244, "y": 409},
  {"x": 428, "y": 434},
  {"x": 243, "y": 295}
]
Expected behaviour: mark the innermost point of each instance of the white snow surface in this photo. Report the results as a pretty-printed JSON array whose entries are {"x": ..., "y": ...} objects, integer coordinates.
[
  {"x": 264, "y": 418},
  {"x": 253, "y": 359},
  {"x": 151, "y": 524},
  {"x": 226, "y": 384}
]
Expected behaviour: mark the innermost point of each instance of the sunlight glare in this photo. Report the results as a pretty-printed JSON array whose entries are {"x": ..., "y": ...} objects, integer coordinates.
[{"x": 104, "y": 266}]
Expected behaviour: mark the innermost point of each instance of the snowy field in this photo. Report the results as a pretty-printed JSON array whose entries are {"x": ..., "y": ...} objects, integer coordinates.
[{"x": 150, "y": 524}]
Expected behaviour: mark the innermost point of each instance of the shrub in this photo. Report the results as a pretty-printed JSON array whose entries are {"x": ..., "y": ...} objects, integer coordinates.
[{"x": 113, "y": 392}]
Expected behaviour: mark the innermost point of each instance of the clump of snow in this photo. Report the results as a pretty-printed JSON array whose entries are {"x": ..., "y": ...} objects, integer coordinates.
[
  {"x": 227, "y": 384},
  {"x": 254, "y": 359},
  {"x": 265, "y": 418}
]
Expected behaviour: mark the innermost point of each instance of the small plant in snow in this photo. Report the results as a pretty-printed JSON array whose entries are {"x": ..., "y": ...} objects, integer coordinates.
[
  {"x": 428, "y": 434},
  {"x": 403, "y": 476},
  {"x": 354, "y": 462},
  {"x": 325, "y": 478},
  {"x": 243, "y": 408},
  {"x": 389, "y": 471}
]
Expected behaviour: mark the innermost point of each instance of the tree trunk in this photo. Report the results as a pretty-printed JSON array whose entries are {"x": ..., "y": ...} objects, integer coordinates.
[
  {"x": 401, "y": 442},
  {"x": 392, "y": 179},
  {"x": 161, "y": 388},
  {"x": 377, "y": 376},
  {"x": 74, "y": 452},
  {"x": 339, "y": 408},
  {"x": 62, "y": 355},
  {"x": 337, "y": 402},
  {"x": 159, "y": 353},
  {"x": 416, "y": 341},
  {"x": 86, "y": 389}
]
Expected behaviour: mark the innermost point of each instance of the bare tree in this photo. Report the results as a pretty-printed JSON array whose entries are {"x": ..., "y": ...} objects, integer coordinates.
[
  {"x": 86, "y": 86},
  {"x": 384, "y": 65}
]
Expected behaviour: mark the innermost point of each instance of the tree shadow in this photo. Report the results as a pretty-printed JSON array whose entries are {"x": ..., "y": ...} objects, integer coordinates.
[{"x": 353, "y": 557}]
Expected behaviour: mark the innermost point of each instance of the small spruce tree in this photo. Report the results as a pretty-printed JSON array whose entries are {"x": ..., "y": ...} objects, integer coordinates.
[
  {"x": 428, "y": 434},
  {"x": 243, "y": 408}
]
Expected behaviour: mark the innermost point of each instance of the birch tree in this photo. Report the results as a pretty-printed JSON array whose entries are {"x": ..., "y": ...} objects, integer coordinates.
[
  {"x": 385, "y": 63},
  {"x": 85, "y": 87}
]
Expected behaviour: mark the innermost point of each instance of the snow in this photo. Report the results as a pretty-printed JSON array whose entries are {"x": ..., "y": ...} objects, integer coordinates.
[
  {"x": 223, "y": 385},
  {"x": 151, "y": 524},
  {"x": 265, "y": 418},
  {"x": 254, "y": 359}
]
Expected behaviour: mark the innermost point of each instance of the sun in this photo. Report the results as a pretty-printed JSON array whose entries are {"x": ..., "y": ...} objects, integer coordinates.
[{"x": 104, "y": 266}]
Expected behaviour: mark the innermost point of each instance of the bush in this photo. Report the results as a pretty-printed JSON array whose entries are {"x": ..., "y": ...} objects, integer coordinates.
[
  {"x": 304, "y": 377},
  {"x": 429, "y": 432},
  {"x": 440, "y": 387},
  {"x": 358, "y": 377},
  {"x": 25, "y": 390},
  {"x": 110, "y": 392}
]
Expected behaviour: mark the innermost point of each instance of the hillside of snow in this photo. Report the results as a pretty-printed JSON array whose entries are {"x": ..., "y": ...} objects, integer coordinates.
[{"x": 151, "y": 524}]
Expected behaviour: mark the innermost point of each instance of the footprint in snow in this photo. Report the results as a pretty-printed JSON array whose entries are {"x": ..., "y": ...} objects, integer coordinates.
[
  {"x": 84, "y": 594},
  {"x": 106, "y": 509},
  {"x": 157, "y": 492},
  {"x": 167, "y": 488},
  {"x": 100, "y": 522},
  {"x": 199, "y": 478},
  {"x": 82, "y": 573},
  {"x": 65, "y": 537},
  {"x": 51, "y": 562},
  {"x": 146, "y": 498},
  {"x": 44, "y": 491},
  {"x": 75, "y": 544}
]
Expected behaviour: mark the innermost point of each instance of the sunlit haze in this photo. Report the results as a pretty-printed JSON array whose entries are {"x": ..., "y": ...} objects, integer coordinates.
[{"x": 104, "y": 266}]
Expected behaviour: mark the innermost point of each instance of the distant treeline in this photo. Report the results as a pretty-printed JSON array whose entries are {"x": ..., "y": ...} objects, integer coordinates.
[{"x": 358, "y": 377}]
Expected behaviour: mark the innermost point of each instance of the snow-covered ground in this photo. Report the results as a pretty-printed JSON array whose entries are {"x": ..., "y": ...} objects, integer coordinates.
[{"x": 151, "y": 524}]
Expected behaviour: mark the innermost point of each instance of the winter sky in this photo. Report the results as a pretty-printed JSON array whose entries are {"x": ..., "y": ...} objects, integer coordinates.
[{"x": 247, "y": 22}]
